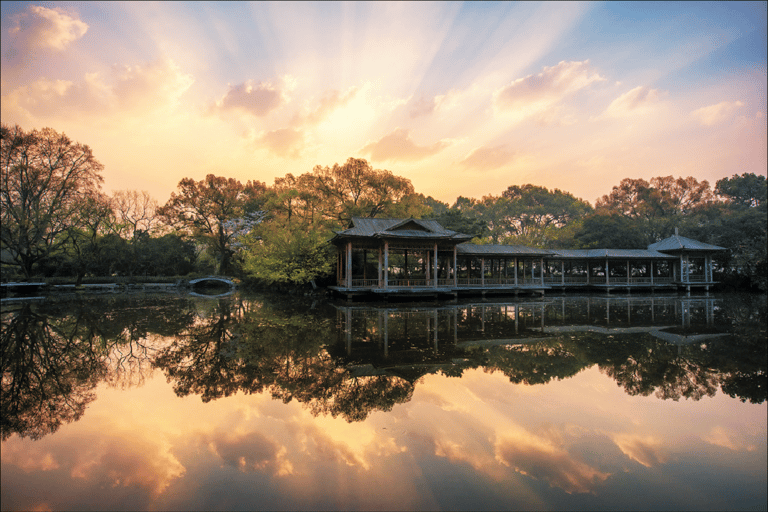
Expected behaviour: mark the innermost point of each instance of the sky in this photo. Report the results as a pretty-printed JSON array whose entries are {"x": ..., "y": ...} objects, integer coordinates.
[{"x": 463, "y": 99}]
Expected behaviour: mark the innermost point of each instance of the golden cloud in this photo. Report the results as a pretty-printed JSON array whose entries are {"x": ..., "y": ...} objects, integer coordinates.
[
  {"x": 633, "y": 102},
  {"x": 140, "y": 88},
  {"x": 257, "y": 99},
  {"x": 283, "y": 142},
  {"x": 398, "y": 146},
  {"x": 486, "y": 158},
  {"x": 330, "y": 101},
  {"x": 714, "y": 114},
  {"x": 42, "y": 28},
  {"x": 548, "y": 87}
]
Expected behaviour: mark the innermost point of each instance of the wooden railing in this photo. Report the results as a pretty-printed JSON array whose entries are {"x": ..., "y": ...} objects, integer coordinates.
[{"x": 510, "y": 282}]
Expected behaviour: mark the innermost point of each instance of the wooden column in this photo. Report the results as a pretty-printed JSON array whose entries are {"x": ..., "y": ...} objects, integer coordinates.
[
  {"x": 380, "y": 276},
  {"x": 541, "y": 270},
  {"x": 435, "y": 265},
  {"x": 607, "y": 273},
  {"x": 455, "y": 267},
  {"x": 515, "y": 271},
  {"x": 562, "y": 272},
  {"x": 651, "y": 265},
  {"x": 349, "y": 264},
  {"x": 482, "y": 271},
  {"x": 386, "y": 264}
]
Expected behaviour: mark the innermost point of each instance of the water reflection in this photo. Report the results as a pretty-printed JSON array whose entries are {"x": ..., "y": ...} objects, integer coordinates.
[
  {"x": 668, "y": 346},
  {"x": 348, "y": 361}
]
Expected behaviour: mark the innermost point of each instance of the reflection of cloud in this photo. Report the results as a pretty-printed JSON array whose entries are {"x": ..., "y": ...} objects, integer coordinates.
[
  {"x": 719, "y": 437},
  {"x": 542, "y": 459},
  {"x": 257, "y": 99},
  {"x": 548, "y": 87},
  {"x": 718, "y": 113},
  {"x": 127, "y": 461},
  {"x": 399, "y": 146},
  {"x": 487, "y": 158},
  {"x": 645, "y": 450},
  {"x": 151, "y": 86},
  {"x": 632, "y": 102},
  {"x": 119, "y": 459},
  {"x": 284, "y": 142},
  {"x": 39, "y": 27},
  {"x": 250, "y": 452}
]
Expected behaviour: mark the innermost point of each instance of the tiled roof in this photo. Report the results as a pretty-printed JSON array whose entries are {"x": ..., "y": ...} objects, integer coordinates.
[
  {"x": 399, "y": 228},
  {"x": 500, "y": 250},
  {"x": 679, "y": 243},
  {"x": 608, "y": 253}
]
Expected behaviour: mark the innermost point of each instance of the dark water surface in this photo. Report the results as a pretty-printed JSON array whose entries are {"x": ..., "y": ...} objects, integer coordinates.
[{"x": 168, "y": 402}]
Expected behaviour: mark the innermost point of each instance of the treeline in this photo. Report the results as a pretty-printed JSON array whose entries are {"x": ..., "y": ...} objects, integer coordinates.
[{"x": 56, "y": 221}]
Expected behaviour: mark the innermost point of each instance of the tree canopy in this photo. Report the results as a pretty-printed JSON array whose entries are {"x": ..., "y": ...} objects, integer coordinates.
[{"x": 46, "y": 182}]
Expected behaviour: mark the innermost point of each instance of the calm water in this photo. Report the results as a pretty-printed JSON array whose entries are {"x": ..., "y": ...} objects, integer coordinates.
[{"x": 166, "y": 402}]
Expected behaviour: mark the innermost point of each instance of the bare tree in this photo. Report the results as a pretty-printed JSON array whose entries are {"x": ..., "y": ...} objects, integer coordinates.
[
  {"x": 134, "y": 212},
  {"x": 45, "y": 177}
]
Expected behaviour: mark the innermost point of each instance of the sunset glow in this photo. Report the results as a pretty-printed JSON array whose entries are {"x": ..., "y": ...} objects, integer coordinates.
[{"x": 460, "y": 98}]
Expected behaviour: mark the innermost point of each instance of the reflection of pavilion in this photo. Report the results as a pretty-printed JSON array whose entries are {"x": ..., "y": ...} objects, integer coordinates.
[
  {"x": 396, "y": 257},
  {"x": 435, "y": 333}
]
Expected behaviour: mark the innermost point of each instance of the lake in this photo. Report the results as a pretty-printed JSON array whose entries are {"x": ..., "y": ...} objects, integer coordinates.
[{"x": 176, "y": 402}]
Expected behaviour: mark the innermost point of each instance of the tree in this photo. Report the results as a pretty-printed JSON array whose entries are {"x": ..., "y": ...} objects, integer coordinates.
[
  {"x": 660, "y": 206},
  {"x": 288, "y": 255},
  {"x": 357, "y": 189},
  {"x": 45, "y": 180},
  {"x": 215, "y": 211},
  {"x": 748, "y": 190},
  {"x": 523, "y": 214},
  {"x": 603, "y": 230},
  {"x": 134, "y": 211}
]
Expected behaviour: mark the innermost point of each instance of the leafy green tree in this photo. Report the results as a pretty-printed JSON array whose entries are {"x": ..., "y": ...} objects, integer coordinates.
[
  {"x": 748, "y": 190},
  {"x": 215, "y": 211},
  {"x": 287, "y": 254},
  {"x": 610, "y": 230},
  {"x": 45, "y": 178}
]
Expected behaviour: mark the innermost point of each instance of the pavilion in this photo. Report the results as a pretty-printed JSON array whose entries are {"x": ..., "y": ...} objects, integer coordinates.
[{"x": 387, "y": 257}]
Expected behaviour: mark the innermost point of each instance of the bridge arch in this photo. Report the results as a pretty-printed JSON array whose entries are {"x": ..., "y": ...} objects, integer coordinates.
[{"x": 219, "y": 279}]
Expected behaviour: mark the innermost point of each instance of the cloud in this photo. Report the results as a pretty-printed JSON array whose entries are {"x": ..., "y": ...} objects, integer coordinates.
[
  {"x": 284, "y": 142},
  {"x": 487, "y": 158},
  {"x": 399, "y": 146},
  {"x": 330, "y": 101},
  {"x": 636, "y": 101},
  {"x": 141, "y": 88},
  {"x": 257, "y": 99},
  {"x": 548, "y": 87},
  {"x": 151, "y": 85},
  {"x": 422, "y": 107},
  {"x": 714, "y": 114},
  {"x": 42, "y": 28}
]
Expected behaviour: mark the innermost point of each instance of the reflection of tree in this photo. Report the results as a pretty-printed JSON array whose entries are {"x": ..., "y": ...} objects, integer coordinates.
[
  {"x": 266, "y": 348},
  {"x": 48, "y": 375},
  {"x": 535, "y": 363},
  {"x": 54, "y": 354}
]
